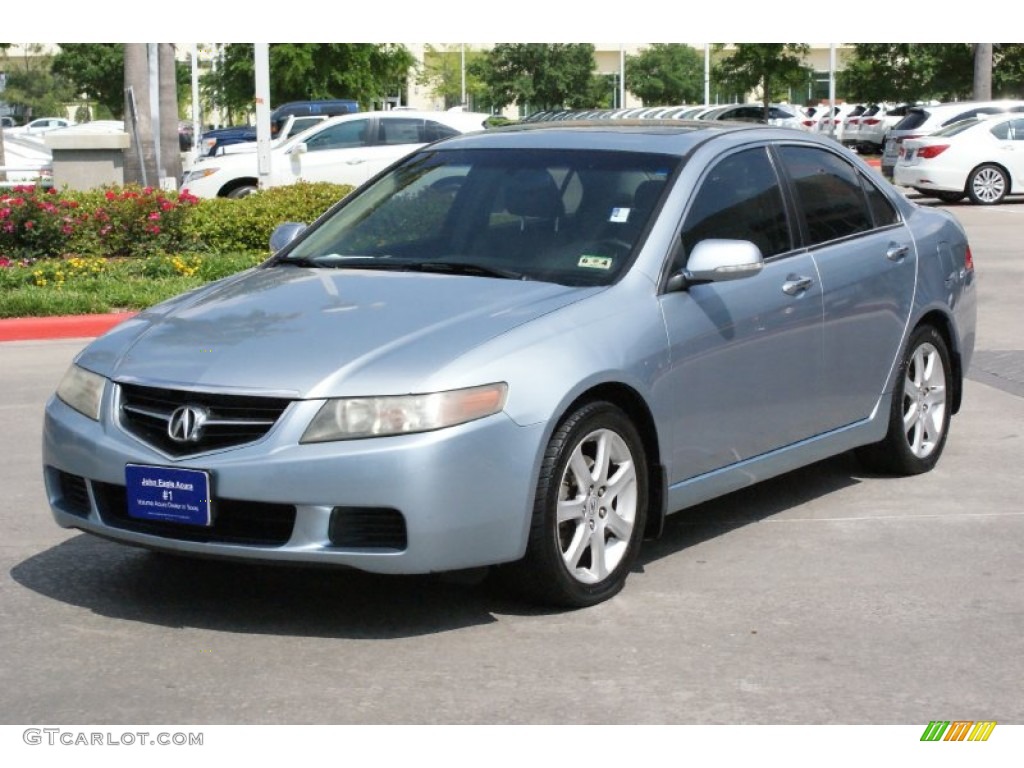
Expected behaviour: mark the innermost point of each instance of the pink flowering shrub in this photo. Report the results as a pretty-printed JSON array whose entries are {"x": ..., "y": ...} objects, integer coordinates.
[
  {"x": 36, "y": 223},
  {"x": 130, "y": 221}
]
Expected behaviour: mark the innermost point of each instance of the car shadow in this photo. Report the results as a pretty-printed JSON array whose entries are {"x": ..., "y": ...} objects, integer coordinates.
[
  {"x": 753, "y": 504},
  {"x": 132, "y": 584}
]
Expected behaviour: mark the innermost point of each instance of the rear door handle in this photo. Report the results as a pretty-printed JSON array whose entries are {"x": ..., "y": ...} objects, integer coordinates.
[
  {"x": 795, "y": 284},
  {"x": 896, "y": 252}
]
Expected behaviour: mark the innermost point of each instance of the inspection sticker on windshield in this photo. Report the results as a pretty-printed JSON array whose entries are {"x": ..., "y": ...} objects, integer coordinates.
[
  {"x": 619, "y": 215},
  {"x": 595, "y": 262},
  {"x": 168, "y": 494}
]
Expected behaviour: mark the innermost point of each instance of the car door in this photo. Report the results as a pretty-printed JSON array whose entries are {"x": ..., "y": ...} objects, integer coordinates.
[
  {"x": 336, "y": 153},
  {"x": 395, "y": 137},
  {"x": 746, "y": 355},
  {"x": 867, "y": 262},
  {"x": 1010, "y": 140}
]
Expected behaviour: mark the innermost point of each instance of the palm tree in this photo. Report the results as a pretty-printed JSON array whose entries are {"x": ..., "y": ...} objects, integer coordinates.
[
  {"x": 140, "y": 157},
  {"x": 170, "y": 149}
]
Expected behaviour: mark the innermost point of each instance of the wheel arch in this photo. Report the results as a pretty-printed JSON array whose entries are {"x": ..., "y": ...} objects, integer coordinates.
[{"x": 635, "y": 407}]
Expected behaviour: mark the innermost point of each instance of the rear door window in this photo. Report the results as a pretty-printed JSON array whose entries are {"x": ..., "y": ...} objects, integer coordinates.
[{"x": 829, "y": 193}]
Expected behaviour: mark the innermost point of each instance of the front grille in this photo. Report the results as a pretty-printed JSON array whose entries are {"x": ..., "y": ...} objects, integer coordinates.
[
  {"x": 367, "y": 528},
  {"x": 234, "y": 521},
  {"x": 74, "y": 494},
  {"x": 229, "y": 420}
]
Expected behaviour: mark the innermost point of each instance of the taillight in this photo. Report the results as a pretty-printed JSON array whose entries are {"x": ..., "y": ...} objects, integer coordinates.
[
  {"x": 871, "y": 121},
  {"x": 968, "y": 260},
  {"x": 853, "y": 121},
  {"x": 932, "y": 150}
]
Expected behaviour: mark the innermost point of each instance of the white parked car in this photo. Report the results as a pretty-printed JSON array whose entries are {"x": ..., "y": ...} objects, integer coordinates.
[
  {"x": 981, "y": 158},
  {"x": 42, "y": 125},
  {"x": 925, "y": 119},
  {"x": 831, "y": 123},
  {"x": 348, "y": 149},
  {"x": 785, "y": 115}
]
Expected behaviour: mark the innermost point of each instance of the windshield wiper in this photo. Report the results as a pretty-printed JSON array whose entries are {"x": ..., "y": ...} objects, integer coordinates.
[
  {"x": 379, "y": 262},
  {"x": 335, "y": 260},
  {"x": 465, "y": 268}
]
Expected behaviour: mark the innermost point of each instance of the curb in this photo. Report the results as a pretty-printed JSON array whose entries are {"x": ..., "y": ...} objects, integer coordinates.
[{"x": 63, "y": 327}]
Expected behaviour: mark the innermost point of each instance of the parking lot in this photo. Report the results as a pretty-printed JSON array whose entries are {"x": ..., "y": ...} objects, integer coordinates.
[{"x": 824, "y": 596}]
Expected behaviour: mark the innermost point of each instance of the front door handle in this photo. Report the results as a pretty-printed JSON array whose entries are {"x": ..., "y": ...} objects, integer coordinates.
[{"x": 795, "y": 284}]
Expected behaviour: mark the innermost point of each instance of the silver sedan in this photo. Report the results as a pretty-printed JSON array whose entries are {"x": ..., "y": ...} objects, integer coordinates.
[{"x": 524, "y": 348}]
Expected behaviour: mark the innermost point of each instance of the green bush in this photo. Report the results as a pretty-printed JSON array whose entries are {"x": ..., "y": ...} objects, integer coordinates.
[
  {"x": 129, "y": 248},
  {"x": 224, "y": 225},
  {"x": 133, "y": 221}
]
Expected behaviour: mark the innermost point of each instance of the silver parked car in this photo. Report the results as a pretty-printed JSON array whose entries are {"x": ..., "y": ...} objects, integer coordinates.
[{"x": 525, "y": 348}]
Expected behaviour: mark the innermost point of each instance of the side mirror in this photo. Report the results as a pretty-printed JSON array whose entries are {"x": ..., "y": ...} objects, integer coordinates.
[
  {"x": 716, "y": 261},
  {"x": 284, "y": 234},
  {"x": 299, "y": 149}
]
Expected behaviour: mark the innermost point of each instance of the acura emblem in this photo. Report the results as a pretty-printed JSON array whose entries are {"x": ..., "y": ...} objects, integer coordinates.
[{"x": 186, "y": 424}]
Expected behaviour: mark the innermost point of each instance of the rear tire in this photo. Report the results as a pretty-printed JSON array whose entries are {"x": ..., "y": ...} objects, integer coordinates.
[
  {"x": 919, "y": 416},
  {"x": 988, "y": 185}
]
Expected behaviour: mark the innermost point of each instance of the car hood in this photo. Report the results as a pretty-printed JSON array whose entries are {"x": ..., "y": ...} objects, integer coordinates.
[{"x": 313, "y": 333}]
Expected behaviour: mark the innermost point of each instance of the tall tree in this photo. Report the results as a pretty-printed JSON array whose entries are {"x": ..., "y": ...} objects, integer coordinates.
[
  {"x": 908, "y": 72},
  {"x": 96, "y": 70},
  {"x": 366, "y": 72},
  {"x": 982, "y": 90},
  {"x": 769, "y": 69},
  {"x": 442, "y": 73},
  {"x": 140, "y": 157},
  {"x": 666, "y": 73},
  {"x": 32, "y": 86},
  {"x": 170, "y": 148},
  {"x": 539, "y": 76}
]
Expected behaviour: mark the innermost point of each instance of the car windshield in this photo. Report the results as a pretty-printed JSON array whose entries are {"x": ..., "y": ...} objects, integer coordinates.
[{"x": 571, "y": 217}]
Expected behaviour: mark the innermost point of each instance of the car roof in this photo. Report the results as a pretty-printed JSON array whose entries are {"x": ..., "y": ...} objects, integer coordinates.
[{"x": 668, "y": 136}]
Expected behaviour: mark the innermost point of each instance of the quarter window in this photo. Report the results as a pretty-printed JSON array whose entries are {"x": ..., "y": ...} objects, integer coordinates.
[
  {"x": 829, "y": 193},
  {"x": 882, "y": 209},
  {"x": 740, "y": 200},
  {"x": 1011, "y": 130}
]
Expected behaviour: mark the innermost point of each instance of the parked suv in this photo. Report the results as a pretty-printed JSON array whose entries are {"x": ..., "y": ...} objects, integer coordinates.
[
  {"x": 925, "y": 120},
  {"x": 285, "y": 121},
  {"x": 875, "y": 123}
]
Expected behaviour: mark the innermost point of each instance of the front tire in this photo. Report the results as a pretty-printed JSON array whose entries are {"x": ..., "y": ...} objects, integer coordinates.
[
  {"x": 241, "y": 191},
  {"x": 988, "y": 185},
  {"x": 919, "y": 417},
  {"x": 589, "y": 511}
]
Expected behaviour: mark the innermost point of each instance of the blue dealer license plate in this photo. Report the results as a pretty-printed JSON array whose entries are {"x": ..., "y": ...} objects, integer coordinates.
[{"x": 168, "y": 495}]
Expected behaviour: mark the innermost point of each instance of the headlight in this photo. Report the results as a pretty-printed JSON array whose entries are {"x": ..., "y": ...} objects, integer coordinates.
[
  {"x": 83, "y": 391},
  {"x": 198, "y": 173},
  {"x": 354, "y": 417}
]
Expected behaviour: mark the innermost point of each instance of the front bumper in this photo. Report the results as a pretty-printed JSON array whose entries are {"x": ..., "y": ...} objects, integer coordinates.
[{"x": 463, "y": 496}]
